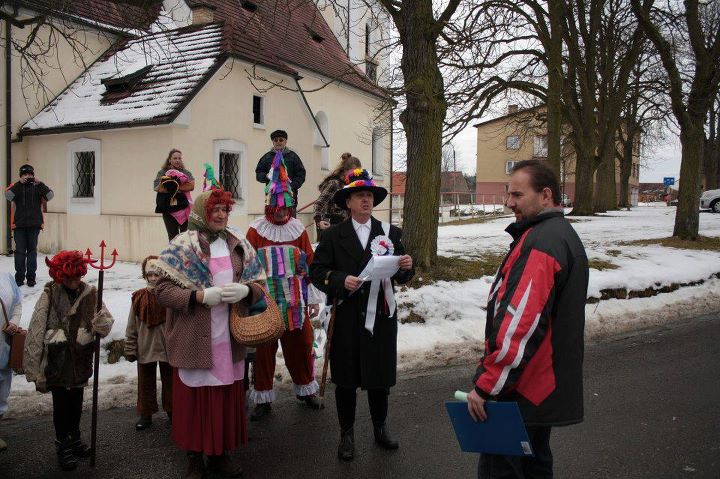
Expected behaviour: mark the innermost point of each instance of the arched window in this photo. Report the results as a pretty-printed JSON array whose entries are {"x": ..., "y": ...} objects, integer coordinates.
[{"x": 324, "y": 127}]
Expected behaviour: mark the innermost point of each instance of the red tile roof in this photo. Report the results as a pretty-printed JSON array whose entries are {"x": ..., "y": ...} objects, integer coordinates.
[
  {"x": 126, "y": 14},
  {"x": 453, "y": 182},
  {"x": 398, "y": 183}
]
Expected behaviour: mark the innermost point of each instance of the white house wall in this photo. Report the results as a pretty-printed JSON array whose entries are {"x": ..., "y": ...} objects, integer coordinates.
[{"x": 221, "y": 111}]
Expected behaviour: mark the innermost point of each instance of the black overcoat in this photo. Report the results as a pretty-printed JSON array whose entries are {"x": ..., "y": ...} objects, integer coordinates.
[{"x": 357, "y": 357}]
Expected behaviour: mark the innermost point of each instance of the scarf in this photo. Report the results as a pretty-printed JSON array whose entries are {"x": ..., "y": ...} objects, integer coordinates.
[
  {"x": 198, "y": 219},
  {"x": 147, "y": 308}
]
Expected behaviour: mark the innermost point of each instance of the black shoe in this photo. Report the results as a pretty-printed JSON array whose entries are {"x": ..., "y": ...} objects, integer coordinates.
[
  {"x": 66, "y": 460},
  {"x": 196, "y": 466},
  {"x": 224, "y": 466},
  {"x": 31, "y": 283},
  {"x": 144, "y": 423},
  {"x": 79, "y": 449},
  {"x": 312, "y": 401},
  {"x": 169, "y": 413},
  {"x": 346, "y": 448},
  {"x": 19, "y": 283},
  {"x": 383, "y": 437},
  {"x": 261, "y": 410}
]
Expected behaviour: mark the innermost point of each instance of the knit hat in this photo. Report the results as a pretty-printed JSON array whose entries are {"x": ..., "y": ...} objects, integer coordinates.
[
  {"x": 359, "y": 180},
  {"x": 27, "y": 170},
  {"x": 278, "y": 191},
  {"x": 67, "y": 264},
  {"x": 278, "y": 133}
]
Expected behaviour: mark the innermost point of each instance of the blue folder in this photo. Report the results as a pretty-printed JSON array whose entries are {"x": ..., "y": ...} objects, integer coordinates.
[{"x": 503, "y": 432}]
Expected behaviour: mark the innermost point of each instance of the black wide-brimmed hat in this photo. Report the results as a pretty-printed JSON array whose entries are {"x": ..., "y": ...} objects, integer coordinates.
[{"x": 359, "y": 180}]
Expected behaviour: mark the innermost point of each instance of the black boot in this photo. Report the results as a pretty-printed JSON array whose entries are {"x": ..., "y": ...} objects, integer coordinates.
[
  {"x": 346, "y": 448},
  {"x": 143, "y": 423},
  {"x": 224, "y": 466},
  {"x": 169, "y": 413},
  {"x": 196, "y": 466},
  {"x": 261, "y": 410},
  {"x": 311, "y": 401},
  {"x": 66, "y": 460},
  {"x": 79, "y": 449},
  {"x": 383, "y": 437}
]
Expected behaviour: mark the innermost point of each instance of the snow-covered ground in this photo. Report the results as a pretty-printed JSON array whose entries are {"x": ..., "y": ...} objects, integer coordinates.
[{"x": 453, "y": 311}]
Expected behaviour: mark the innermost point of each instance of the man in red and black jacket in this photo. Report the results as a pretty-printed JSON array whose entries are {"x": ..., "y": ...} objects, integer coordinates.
[{"x": 535, "y": 323}]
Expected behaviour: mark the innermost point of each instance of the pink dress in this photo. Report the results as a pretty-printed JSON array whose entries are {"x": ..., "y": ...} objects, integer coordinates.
[{"x": 181, "y": 216}]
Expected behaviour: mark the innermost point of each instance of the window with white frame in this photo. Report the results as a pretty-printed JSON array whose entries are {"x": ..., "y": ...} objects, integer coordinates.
[
  {"x": 83, "y": 176},
  {"x": 230, "y": 159},
  {"x": 509, "y": 166},
  {"x": 512, "y": 142},
  {"x": 540, "y": 146},
  {"x": 258, "y": 110},
  {"x": 378, "y": 151}
]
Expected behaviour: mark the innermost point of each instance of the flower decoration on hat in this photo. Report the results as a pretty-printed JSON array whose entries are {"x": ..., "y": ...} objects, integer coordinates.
[
  {"x": 278, "y": 191},
  {"x": 67, "y": 264},
  {"x": 359, "y": 179}
]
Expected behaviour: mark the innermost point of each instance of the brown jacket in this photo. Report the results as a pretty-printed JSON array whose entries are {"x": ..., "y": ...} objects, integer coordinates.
[
  {"x": 146, "y": 344},
  {"x": 187, "y": 329}
]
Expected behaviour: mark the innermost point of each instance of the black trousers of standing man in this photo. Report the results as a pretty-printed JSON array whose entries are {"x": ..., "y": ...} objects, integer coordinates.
[{"x": 346, "y": 399}]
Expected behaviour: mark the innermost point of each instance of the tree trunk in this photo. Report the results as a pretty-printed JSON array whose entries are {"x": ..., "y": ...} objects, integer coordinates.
[
  {"x": 555, "y": 86},
  {"x": 422, "y": 121},
  {"x": 583, "y": 186},
  {"x": 625, "y": 172},
  {"x": 711, "y": 155},
  {"x": 606, "y": 191},
  {"x": 687, "y": 217}
]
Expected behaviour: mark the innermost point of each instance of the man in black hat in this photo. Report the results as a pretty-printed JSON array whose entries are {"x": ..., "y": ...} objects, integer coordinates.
[
  {"x": 28, "y": 196},
  {"x": 293, "y": 163},
  {"x": 364, "y": 340}
]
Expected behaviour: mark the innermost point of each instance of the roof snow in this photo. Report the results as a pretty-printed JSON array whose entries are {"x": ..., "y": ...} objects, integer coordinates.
[{"x": 179, "y": 61}]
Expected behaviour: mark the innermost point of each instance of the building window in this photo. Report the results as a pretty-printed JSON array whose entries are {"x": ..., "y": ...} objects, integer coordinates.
[
  {"x": 322, "y": 138},
  {"x": 378, "y": 151},
  {"x": 258, "y": 110},
  {"x": 229, "y": 171},
  {"x": 540, "y": 146},
  {"x": 512, "y": 142},
  {"x": 509, "y": 166},
  {"x": 84, "y": 180},
  {"x": 83, "y": 176},
  {"x": 229, "y": 162}
]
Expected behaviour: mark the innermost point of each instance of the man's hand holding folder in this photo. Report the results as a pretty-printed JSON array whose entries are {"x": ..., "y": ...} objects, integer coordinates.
[{"x": 476, "y": 406}]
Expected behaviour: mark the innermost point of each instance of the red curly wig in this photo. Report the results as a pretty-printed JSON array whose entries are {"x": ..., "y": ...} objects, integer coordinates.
[
  {"x": 67, "y": 264},
  {"x": 218, "y": 197}
]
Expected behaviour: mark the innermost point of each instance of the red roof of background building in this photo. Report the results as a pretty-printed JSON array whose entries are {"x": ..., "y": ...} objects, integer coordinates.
[
  {"x": 453, "y": 182},
  {"x": 398, "y": 183}
]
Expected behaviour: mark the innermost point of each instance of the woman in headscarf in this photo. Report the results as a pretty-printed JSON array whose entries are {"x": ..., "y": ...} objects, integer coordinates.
[
  {"x": 202, "y": 272},
  {"x": 327, "y": 213}
]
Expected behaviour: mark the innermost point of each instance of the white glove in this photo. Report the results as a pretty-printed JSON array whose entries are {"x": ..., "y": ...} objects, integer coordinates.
[
  {"x": 234, "y": 292},
  {"x": 212, "y": 296}
]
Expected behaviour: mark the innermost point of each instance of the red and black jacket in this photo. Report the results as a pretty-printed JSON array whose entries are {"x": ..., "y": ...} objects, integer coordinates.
[{"x": 534, "y": 335}]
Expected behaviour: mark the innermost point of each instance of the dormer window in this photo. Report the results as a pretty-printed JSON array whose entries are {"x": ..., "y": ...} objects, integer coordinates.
[
  {"x": 122, "y": 84},
  {"x": 314, "y": 35},
  {"x": 248, "y": 5}
]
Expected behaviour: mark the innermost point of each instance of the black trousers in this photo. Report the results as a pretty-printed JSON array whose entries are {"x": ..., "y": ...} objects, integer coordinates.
[
  {"x": 346, "y": 399},
  {"x": 67, "y": 408},
  {"x": 494, "y": 466},
  {"x": 172, "y": 227},
  {"x": 26, "y": 240}
]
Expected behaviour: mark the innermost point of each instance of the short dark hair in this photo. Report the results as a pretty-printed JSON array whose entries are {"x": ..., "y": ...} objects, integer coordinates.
[
  {"x": 278, "y": 133},
  {"x": 541, "y": 177}
]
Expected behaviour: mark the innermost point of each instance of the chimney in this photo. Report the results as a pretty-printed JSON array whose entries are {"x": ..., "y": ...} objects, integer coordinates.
[
  {"x": 202, "y": 12},
  {"x": 512, "y": 109}
]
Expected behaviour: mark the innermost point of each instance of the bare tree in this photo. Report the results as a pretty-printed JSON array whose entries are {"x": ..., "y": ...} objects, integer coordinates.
[{"x": 694, "y": 77}]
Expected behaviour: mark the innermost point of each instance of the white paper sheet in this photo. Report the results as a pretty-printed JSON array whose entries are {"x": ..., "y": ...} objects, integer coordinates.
[{"x": 380, "y": 267}]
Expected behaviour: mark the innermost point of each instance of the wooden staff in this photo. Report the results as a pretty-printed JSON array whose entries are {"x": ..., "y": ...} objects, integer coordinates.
[{"x": 328, "y": 343}]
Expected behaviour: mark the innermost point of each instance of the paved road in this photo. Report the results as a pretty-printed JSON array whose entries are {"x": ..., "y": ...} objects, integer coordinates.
[{"x": 652, "y": 402}]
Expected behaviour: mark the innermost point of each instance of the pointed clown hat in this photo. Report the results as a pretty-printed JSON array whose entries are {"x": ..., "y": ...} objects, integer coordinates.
[
  {"x": 278, "y": 191},
  {"x": 359, "y": 180}
]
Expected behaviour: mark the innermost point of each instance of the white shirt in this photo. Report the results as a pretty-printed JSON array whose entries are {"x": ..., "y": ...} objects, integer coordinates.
[{"x": 362, "y": 231}]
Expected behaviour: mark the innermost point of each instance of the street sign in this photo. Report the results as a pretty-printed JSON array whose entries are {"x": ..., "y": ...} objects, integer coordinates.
[{"x": 669, "y": 180}]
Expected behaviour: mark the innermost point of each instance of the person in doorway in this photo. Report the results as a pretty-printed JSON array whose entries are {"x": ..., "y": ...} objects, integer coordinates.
[
  {"x": 174, "y": 179},
  {"x": 294, "y": 165},
  {"x": 28, "y": 196},
  {"x": 364, "y": 341},
  {"x": 145, "y": 343},
  {"x": 535, "y": 324},
  {"x": 58, "y": 355}
]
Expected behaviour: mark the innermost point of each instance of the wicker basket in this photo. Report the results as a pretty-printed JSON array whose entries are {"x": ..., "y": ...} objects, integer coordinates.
[{"x": 259, "y": 328}]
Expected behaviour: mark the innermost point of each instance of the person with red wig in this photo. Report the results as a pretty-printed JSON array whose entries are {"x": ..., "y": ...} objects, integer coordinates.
[
  {"x": 284, "y": 249},
  {"x": 58, "y": 354},
  {"x": 204, "y": 271}
]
